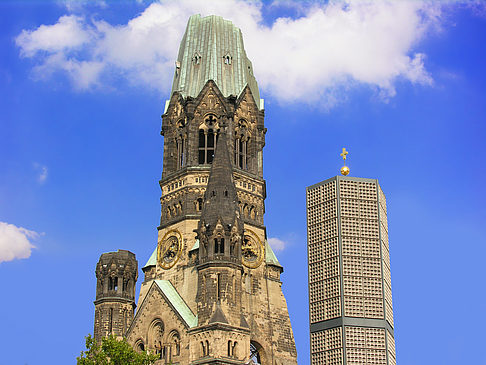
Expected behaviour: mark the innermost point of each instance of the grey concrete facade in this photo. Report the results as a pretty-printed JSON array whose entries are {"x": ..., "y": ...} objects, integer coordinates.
[{"x": 351, "y": 315}]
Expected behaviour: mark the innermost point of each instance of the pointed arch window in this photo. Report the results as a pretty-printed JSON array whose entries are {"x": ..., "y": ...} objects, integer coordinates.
[
  {"x": 255, "y": 350},
  {"x": 196, "y": 59},
  {"x": 242, "y": 138},
  {"x": 219, "y": 246},
  {"x": 181, "y": 144},
  {"x": 208, "y": 136},
  {"x": 227, "y": 59}
]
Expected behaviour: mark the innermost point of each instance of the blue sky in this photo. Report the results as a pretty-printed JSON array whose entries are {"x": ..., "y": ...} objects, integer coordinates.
[{"x": 401, "y": 85}]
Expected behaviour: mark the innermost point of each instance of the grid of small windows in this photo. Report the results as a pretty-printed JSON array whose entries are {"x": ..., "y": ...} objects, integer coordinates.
[
  {"x": 365, "y": 346},
  {"x": 382, "y": 197},
  {"x": 383, "y": 218},
  {"x": 385, "y": 258},
  {"x": 324, "y": 283},
  {"x": 363, "y": 295},
  {"x": 324, "y": 288},
  {"x": 327, "y": 347},
  {"x": 391, "y": 349}
]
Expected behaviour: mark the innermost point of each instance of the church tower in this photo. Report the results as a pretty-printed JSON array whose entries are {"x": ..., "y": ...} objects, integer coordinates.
[
  {"x": 116, "y": 275},
  {"x": 350, "y": 296},
  {"x": 212, "y": 290}
]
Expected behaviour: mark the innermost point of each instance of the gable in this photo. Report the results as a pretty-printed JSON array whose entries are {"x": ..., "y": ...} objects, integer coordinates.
[{"x": 161, "y": 302}]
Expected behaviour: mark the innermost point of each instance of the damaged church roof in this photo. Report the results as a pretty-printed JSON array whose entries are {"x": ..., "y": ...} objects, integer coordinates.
[
  {"x": 177, "y": 302},
  {"x": 212, "y": 49}
]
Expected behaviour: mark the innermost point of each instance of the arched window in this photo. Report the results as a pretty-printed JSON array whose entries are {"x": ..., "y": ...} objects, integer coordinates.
[
  {"x": 242, "y": 139},
  {"x": 181, "y": 144},
  {"x": 181, "y": 155},
  {"x": 113, "y": 284},
  {"x": 255, "y": 350},
  {"x": 227, "y": 59},
  {"x": 139, "y": 346},
  {"x": 196, "y": 59},
  {"x": 230, "y": 347},
  {"x": 207, "y": 140},
  {"x": 199, "y": 204},
  {"x": 155, "y": 338},
  {"x": 176, "y": 343},
  {"x": 219, "y": 246}
]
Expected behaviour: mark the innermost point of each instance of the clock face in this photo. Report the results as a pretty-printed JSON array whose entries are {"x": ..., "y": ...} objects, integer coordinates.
[
  {"x": 251, "y": 251},
  {"x": 169, "y": 249}
]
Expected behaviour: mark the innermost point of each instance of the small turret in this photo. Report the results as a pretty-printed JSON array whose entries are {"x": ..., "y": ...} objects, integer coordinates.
[{"x": 116, "y": 274}]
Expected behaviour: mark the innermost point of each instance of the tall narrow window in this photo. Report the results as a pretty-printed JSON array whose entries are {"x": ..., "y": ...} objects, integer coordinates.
[
  {"x": 110, "y": 328},
  {"x": 207, "y": 140},
  {"x": 242, "y": 138},
  {"x": 219, "y": 287},
  {"x": 181, "y": 152},
  {"x": 219, "y": 246}
]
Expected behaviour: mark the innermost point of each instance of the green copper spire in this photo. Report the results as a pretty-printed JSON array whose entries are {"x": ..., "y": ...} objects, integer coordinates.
[{"x": 212, "y": 49}]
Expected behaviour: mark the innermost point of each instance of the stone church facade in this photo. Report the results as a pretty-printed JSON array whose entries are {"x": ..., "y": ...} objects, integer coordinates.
[{"x": 212, "y": 288}]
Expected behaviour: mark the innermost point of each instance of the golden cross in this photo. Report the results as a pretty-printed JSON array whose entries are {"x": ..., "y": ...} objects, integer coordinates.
[{"x": 344, "y": 154}]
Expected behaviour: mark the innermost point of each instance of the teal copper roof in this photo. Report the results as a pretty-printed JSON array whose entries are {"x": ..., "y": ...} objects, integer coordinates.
[
  {"x": 177, "y": 302},
  {"x": 270, "y": 257},
  {"x": 152, "y": 261},
  {"x": 212, "y": 49}
]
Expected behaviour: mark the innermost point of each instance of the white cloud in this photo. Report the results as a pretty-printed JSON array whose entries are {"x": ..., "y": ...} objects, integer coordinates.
[
  {"x": 15, "y": 242},
  {"x": 277, "y": 244},
  {"x": 42, "y": 172},
  {"x": 68, "y": 33},
  {"x": 324, "y": 51}
]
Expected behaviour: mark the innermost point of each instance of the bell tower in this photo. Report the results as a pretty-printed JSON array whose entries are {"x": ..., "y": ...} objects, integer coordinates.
[
  {"x": 212, "y": 290},
  {"x": 116, "y": 274}
]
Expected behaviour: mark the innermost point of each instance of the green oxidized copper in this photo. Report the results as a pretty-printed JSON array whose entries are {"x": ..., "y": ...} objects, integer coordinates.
[{"x": 212, "y": 49}]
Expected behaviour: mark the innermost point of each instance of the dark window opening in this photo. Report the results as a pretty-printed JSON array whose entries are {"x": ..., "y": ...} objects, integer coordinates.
[
  {"x": 207, "y": 144},
  {"x": 199, "y": 204},
  {"x": 181, "y": 152},
  {"x": 241, "y": 153},
  {"x": 113, "y": 284},
  {"x": 207, "y": 140},
  {"x": 176, "y": 340},
  {"x": 110, "y": 328},
  {"x": 219, "y": 287},
  {"x": 219, "y": 246},
  {"x": 226, "y": 193},
  {"x": 255, "y": 353}
]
